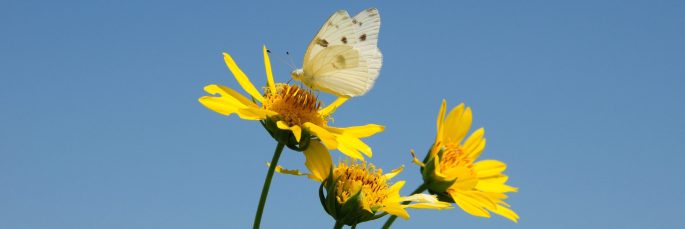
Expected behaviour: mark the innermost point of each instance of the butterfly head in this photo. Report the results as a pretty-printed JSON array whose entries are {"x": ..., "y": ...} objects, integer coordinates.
[{"x": 297, "y": 74}]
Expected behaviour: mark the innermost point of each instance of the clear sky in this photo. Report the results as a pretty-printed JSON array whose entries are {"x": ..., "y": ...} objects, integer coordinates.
[{"x": 100, "y": 125}]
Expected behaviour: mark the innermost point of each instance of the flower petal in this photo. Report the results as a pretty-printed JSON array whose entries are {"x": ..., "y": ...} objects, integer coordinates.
[
  {"x": 469, "y": 205},
  {"x": 441, "y": 117},
  {"x": 269, "y": 74},
  {"x": 297, "y": 131},
  {"x": 396, "y": 209},
  {"x": 326, "y": 137},
  {"x": 280, "y": 169},
  {"x": 449, "y": 131},
  {"x": 353, "y": 143},
  {"x": 358, "y": 131},
  {"x": 228, "y": 101},
  {"x": 333, "y": 106},
  {"x": 472, "y": 146},
  {"x": 464, "y": 125},
  {"x": 242, "y": 78},
  {"x": 393, "y": 173},
  {"x": 318, "y": 161},
  {"x": 506, "y": 213},
  {"x": 251, "y": 113},
  {"x": 487, "y": 168}
]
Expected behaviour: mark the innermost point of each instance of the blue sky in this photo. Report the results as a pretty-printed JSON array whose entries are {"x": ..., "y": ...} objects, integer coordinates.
[{"x": 100, "y": 125}]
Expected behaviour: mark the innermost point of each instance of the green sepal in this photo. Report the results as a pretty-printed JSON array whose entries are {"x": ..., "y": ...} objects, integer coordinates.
[{"x": 428, "y": 173}]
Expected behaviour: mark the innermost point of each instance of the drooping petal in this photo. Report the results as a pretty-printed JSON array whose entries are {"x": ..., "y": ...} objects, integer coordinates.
[
  {"x": 358, "y": 131},
  {"x": 449, "y": 131},
  {"x": 396, "y": 209},
  {"x": 242, "y": 78},
  {"x": 469, "y": 205},
  {"x": 326, "y": 137},
  {"x": 506, "y": 212},
  {"x": 297, "y": 131},
  {"x": 318, "y": 161},
  {"x": 280, "y": 169},
  {"x": 354, "y": 143},
  {"x": 333, "y": 106},
  {"x": 269, "y": 74}
]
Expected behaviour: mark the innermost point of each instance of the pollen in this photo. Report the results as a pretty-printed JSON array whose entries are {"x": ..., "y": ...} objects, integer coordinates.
[
  {"x": 357, "y": 177},
  {"x": 294, "y": 105}
]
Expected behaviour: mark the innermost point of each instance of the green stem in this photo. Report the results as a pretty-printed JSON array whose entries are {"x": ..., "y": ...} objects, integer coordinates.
[
  {"x": 267, "y": 184},
  {"x": 338, "y": 225},
  {"x": 392, "y": 218}
]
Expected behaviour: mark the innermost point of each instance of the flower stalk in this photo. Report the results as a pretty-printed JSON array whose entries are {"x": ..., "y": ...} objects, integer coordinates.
[{"x": 267, "y": 185}]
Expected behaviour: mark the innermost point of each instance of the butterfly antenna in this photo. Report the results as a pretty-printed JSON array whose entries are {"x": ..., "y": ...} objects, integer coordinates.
[
  {"x": 283, "y": 60},
  {"x": 292, "y": 62}
]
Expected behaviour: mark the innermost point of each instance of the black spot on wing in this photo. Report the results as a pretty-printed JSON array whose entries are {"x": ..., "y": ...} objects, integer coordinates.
[
  {"x": 322, "y": 42},
  {"x": 344, "y": 40},
  {"x": 362, "y": 37}
]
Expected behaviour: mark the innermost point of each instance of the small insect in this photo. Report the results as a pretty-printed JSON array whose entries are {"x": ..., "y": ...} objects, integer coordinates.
[{"x": 343, "y": 58}]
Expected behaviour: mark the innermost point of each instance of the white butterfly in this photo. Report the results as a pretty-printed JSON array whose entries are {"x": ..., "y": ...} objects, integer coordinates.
[{"x": 343, "y": 58}]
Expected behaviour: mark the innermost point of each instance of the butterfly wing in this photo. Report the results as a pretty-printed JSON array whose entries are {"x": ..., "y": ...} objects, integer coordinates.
[{"x": 343, "y": 58}]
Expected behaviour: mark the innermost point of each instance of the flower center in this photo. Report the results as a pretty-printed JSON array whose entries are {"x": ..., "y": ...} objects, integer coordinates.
[
  {"x": 294, "y": 105},
  {"x": 453, "y": 157},
  {"x": 358, "y": 177}
]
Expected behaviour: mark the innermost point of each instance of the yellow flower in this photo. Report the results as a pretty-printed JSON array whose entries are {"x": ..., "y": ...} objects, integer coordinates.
[
  {"x": 451, "y": 171},
  {"x": 292, "y": 115},
  {"x": 357, "y": 192}
]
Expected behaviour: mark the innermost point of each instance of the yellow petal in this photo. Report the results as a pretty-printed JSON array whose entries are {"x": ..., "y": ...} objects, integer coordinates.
[
  {"x": 464, "y": 125},
  {"x": 280, "y": 169},
  {"x": 487, "y": 168},
  {"x": 468, "y": 205},
  {"x": 416, "y": 160},
  {"x": 495, "y": 187},
  {"x": 227, "y": 102},
  {"x": 250, "y": 113},
  {"x": 441, "y": 117},
  {"x": 393, "y": 173},
  {"x": 358, "y": 131},
  {"x": 395, "y": 188},
  {"x": 475, "y": 144},
  {"x": 354, "y": 143},
  {"x": 396, "y": 209},
  {"x": 506, "y": 212},
  {"x": 297, "y": 131},
  {"x": 318, "y": 161},
  {"x": 449, "y": 131},
  {"x": 242, "y": 78},
  {"x": 269, "y": 74},
  {"x": 333, "y": 106},
  {"x": 350, "y": 152},
  {"x": 326, "y": 137}
]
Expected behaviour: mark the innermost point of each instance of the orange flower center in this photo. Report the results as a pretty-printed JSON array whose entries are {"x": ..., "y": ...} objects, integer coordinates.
[
  {"x": 294, "y": 105},
  {"x": 453, "y": 157}
]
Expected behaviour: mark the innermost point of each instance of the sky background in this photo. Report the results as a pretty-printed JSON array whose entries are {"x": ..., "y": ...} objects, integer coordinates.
[{"x": 100, "y": 126}]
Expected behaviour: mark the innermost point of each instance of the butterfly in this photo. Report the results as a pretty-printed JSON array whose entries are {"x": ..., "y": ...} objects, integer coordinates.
[{"x": 343, "y": 58}]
